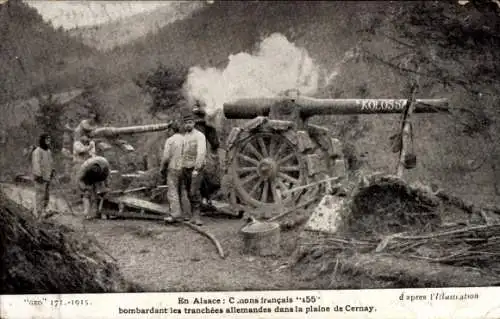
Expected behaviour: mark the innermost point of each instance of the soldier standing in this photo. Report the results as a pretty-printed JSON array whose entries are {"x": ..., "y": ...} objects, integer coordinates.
[
  {"x": 171, "y": 169},
  {"x": 43, "y": 172},
  {"x": 193, "y": 162},
  {"x": 86, "y": 126}
]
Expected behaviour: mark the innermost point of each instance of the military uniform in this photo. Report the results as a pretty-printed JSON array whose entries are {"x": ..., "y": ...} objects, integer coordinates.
[
  {"x": 194, "y": 152},
  {"x": 42, "y": 170},
  {"x": 172, "y": 164},
  {"x": 82, "y": 152}
]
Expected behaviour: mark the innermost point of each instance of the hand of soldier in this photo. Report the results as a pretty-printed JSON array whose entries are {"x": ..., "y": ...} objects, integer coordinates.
[{"x": 195, "y": 173}]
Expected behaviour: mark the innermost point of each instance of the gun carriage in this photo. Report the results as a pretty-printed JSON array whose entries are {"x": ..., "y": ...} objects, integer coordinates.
[
  {"x": 276, "y": 153},
  {"x": 272, "y": 156}
]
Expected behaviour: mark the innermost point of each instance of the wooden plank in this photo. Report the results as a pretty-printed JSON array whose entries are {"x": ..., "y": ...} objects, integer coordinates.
[
  {"x": 137, "y": 215},
  {"x": 137, "y": 203},
  {"x": 223, "y": 208}
]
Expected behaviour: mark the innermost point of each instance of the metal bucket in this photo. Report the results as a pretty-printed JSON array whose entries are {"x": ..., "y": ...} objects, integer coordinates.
[{"x": 261, "y": 238}]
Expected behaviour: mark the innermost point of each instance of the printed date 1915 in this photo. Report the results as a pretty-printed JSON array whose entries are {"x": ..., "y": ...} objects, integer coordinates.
[
  {"x": 69, "y": 302},
  {"x": 57, "y": 302}
]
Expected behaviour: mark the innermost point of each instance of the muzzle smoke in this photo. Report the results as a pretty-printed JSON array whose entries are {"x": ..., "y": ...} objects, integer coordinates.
[{"x": 278, "y": 65}]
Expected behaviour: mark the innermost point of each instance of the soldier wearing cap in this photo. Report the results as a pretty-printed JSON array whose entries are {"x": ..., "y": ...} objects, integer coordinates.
[
  {"x": 86, "y": 126},
  {"x": 194, "y": 151}
]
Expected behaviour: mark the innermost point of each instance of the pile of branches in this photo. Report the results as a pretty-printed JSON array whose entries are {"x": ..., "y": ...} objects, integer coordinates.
[
  {"x": 42, "y": 257},
  {"x": 392, "y": 236},
  {"x": 475, "y": 246},
  {"x": 385, "y": 215}
]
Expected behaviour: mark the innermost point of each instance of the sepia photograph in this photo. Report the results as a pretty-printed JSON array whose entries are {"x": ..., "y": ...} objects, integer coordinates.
[{"x": 216, "y": 146}]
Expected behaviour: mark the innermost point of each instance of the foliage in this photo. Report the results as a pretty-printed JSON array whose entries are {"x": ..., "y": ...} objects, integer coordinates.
[
  {"x": 32, "y": 51},
  {"x": 49, "y": 119},
  {"x": 446, "y": 45},
  {"x": 165, "y": 85}
]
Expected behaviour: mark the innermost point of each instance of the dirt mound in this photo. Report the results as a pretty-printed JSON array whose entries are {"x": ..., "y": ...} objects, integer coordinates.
[
  {"x": 51, "y": 258},
  {"x": 382, "y": 205},
  {"x": 392, "y": 235}
]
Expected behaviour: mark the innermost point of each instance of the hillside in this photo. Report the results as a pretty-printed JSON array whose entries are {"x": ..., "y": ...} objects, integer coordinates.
[
  {"x": 31, "y": 51},
  {"x": 328, "y": 31},
  {"x": 347, "y": 49},
  {"x": 210, "y": 35},
  {"x": 119, "y": 32}
]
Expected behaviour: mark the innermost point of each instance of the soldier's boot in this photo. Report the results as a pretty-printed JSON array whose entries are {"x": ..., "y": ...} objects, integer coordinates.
[
  {"x": 196, "y": 217},
  {"x": 173, "y": 218},
  {"x": 169, "y": 220},
  {"x": 86, "y": 209}
]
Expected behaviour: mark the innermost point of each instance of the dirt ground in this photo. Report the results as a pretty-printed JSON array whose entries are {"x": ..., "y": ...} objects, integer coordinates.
[
  {"x": 165, "y": 258},
  {"x": 175, "y": 258}
]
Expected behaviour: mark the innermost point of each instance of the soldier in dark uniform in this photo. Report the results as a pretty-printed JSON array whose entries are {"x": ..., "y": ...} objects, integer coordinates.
[{"x": 211, "y": 179}]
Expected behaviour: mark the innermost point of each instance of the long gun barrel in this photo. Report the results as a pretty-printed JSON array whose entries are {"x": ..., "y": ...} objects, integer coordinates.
[
  {"x": 117, "y": 131},
  {"x": 252, "y": 107}
]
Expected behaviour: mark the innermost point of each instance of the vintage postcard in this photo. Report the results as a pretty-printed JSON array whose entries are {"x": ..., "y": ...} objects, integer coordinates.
[{"x": 249, "y": 159}]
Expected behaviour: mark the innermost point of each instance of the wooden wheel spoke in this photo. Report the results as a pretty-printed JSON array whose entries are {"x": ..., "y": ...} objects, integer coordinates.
[
  {"x": 265, "y": 192},
  {"x": 289, "y": 168},
  {"x": 286, "y": 158},
  {"x": 288, "y": 178},
  {"x": 255, "y": 187},
  {"x": 284, "y": 188},
  {"x": 248, "y": 159},
  {"x": 274, "y": 191},
  {"x": 249, "y": 178},
  {"x": 263, "y": 146},
  {"x": 254, "y": 151},
  {"x": 248, "y": 169},
  {"x": 280, "y": 150},
  {"x": 272, "y": 147},
  {"x": 282, "y": 185}
]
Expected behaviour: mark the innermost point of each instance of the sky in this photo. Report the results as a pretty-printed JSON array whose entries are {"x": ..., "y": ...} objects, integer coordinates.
[{"x": 70, "y": 14}]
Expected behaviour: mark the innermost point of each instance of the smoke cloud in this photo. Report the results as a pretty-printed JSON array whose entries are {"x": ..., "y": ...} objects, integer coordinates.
[{"x": 276, "y": 66}]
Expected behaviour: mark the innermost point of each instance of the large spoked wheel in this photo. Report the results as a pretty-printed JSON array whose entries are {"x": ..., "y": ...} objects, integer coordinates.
[{"x": 265, "y": 166}]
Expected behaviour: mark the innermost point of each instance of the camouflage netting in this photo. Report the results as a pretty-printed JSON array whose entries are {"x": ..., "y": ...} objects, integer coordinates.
[
  {"x": 393, "y": 235},
  {"x": 51, "y": 258}
]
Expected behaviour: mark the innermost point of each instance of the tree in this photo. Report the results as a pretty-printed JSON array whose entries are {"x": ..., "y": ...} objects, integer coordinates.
[
  {"x": 49, "y": 119},
  {"x": 447, "y": 45},
  {"x": 165, "y": 86},
  {"x": 451, "y": 47}
]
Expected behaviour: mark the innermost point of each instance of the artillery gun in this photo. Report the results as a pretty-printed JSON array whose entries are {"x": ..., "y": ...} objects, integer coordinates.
[
  {"x": 108, "y": 136},
  {"x": 278, "y": 151},
  {"x": 130, "y": 165},
  {"x": 276, "y": 155}
]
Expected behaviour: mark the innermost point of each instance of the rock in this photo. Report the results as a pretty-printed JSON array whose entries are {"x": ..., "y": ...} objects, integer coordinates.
[{"x": 326, "y": 217}]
